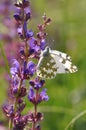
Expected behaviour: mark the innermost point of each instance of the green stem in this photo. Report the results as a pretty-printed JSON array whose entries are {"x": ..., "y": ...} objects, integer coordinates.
[
  {"x": 15, "y": 107},
  {"x": 26, "y": 50},
  {"x": 16, "y": 100},
  {"x": 71, "y": 123},
  {"x": 10, "y": 124},
  {"x": 25, "y": 39},
  {"x": 35, "y": 111}
]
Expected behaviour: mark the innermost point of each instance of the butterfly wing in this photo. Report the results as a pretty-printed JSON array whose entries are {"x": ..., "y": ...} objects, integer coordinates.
[
  {"x": 63, "y": 62},
  {"x": 52, "y": 62},
  {"x": 47, "y": 67}
]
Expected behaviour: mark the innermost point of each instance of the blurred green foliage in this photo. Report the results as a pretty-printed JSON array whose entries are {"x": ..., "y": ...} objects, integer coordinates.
[{"x": 67, "y": 33}]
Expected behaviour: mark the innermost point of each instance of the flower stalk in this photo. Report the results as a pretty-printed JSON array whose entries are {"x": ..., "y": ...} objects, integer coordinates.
[{"x": 25, "y": 70}]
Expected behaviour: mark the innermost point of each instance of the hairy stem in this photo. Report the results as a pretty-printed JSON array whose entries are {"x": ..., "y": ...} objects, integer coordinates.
[
  {"x": 10, "y": 124},
  {"x": 35, "y": 111}
]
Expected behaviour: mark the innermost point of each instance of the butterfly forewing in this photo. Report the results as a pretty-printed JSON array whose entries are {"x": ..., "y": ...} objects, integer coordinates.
[
  {"x": 63, "y": 62},
  {"x": 61, "y": 55}
]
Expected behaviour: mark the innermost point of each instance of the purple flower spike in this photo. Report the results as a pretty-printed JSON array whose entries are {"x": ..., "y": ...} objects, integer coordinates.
[{"x": 22, "y": 71}]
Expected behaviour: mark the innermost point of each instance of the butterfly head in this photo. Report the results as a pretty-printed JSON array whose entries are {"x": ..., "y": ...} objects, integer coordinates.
[{"x": 46, "y": 51}]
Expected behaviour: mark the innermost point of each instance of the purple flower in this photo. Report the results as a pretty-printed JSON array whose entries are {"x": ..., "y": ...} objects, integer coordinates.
[
  {"x": 31, "y": 95},
  {"x": 31, "y": 68},
  {"x": 37, "y": 84},
  {"x": 15, "y": 84},
  {"x": 25, "y": 72},
  {"x": 15, "y": 69},
  {"x": 27, "y": 10},
  {"x": 20, "y": 121},
  {"x": 28, "y": 16},
  {"x": 8, "y": 110},
  {"x": 42, "y": 44},
  {"x": 33, "y": 44},
  {"x": 28, "y": 13},
  {"x": 43, "y": 95},
  {"x": 27, "y": 33},
  {"x": 22, "y": 53},
  {"x": 19, "y": 30},
  {"x": 17, "y": 17},
  {"x": 15, "y": 63}
]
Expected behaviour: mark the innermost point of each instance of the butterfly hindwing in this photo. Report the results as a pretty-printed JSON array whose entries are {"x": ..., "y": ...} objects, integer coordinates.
[{"x": 47, "y": 67}]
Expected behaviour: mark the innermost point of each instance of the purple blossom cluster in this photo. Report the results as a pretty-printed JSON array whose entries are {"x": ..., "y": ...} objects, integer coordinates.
[{"x": 24, "y": 70}]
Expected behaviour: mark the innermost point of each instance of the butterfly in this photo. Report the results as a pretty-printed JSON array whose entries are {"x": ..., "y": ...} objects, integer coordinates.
[{"x": 52, "y": 62}]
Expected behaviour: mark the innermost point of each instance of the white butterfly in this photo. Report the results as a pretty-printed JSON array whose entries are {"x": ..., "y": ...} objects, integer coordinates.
[{"x": 52, "y": 62}]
